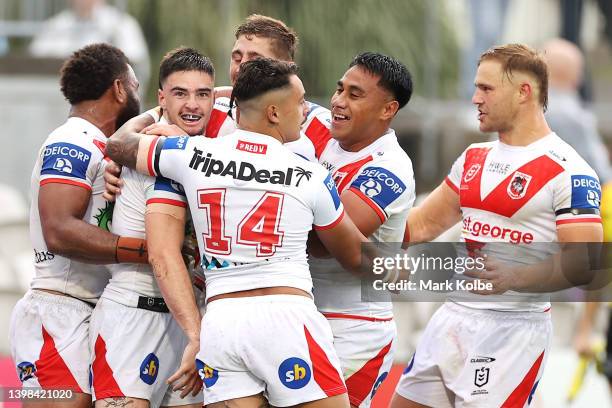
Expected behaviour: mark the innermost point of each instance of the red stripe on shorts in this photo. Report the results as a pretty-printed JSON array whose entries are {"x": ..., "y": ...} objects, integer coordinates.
[
  {"x": 51, "y": 369},
  {"x": 104, "y": 383},
  {"x": 360, "y": 384},
  {"x": 324, "y": 373},
  {"x": 521, "y": 392}
]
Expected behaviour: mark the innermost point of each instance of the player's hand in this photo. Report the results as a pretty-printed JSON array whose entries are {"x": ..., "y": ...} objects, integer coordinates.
[
  {"x": 498, "y": 275},
  {"x": 583, "y": 344},
  {"x": 112, "y": 182},
  {"x": 160, "y": 129},
  {"x": 223, "y": 92},
  {"x": 186, "y": 379}
]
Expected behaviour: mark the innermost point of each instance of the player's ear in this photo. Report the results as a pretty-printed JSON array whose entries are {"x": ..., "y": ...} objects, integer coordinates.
[
  {"x": 525, "y": 91},
  {"x": 389, "y": 110},
  {"x": 273, "y": 114},
  {"x": 161, "y": 99},
  {"x": 119, "y": 92}
]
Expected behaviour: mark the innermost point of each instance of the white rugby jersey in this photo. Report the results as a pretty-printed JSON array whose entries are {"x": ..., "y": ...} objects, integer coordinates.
[
  {"x": 381, "y": 175},
  {"x": 72, "y": 154},
  {"x": 253, "y": 203},
  {"x": 221, "y": 124},
  {"x": 518, "y": 195}
]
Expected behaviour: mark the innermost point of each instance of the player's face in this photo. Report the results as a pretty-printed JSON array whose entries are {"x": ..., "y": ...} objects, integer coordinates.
[
  {"x": 357, "y": 105},
  {"x": 247, "y": 48},
  {"x": 187, "y": 99},
  {"x": 495, "y": 97},
  {"x": 132, "y": 104},
  {"x": 293, "y": 110}
]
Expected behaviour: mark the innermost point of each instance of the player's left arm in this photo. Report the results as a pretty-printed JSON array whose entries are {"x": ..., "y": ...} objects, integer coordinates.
[{"x": 122, "y": 146}]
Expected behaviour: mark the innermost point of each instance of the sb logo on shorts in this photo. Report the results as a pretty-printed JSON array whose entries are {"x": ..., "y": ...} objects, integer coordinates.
[
  {"x": 149, "y": 369},
  {"x": 294, "y": 373},
  {"x": 208, "y": 374}
]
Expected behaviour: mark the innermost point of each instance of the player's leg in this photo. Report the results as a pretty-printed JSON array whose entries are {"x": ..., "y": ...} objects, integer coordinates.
[
  {"x": 135, "y": 350},
  {"x": 365, "y": 349},
  {"x": 195, "y": 405},
  {"x": 49, "y": 344},
  {"x": 400, "y": 402},
  {"x": 252, "y": 401}
]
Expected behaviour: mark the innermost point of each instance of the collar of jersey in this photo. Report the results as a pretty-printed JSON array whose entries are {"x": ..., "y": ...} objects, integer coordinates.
[
  {"x": 532, "y": 146},
  {"x": 260, "y": 138}
]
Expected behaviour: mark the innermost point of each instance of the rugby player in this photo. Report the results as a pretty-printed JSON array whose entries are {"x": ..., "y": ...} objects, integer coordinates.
[
  {"x": 376, "y": 184},
  {"x": 526, "y": 187},
  {"x": 131, "y": 327},
  {"x": 253, "y": 203},
  {"x": 69, "y": 227}
]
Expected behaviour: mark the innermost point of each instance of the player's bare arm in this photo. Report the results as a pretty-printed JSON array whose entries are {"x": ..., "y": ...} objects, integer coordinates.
[
  {"x": 436, "y": 214},
  {"x": 165, "y": 226},
  {"x": 570, "y": 267},
  {"x": 122, "y": 146}
]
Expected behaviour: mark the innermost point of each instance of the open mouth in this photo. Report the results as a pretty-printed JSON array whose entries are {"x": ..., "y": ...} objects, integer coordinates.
[
  {"x": 339, "y": 118},
  {"x": 191, "y": 118}
]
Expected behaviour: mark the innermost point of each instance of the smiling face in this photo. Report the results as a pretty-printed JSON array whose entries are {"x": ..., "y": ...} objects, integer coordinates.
[
  {"x": 496, "y": 97},
  {"x": 248, "y": 47},
  {"x": 187, "y": 99},
  {"x": 358, "y": 107}
]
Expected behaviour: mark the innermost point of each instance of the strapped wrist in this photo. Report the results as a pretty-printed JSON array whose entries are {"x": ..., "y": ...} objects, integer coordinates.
[{"x": 131, "y": 250}]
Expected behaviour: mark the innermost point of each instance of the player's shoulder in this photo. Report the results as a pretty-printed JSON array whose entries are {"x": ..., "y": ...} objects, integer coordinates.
[
  {"x": 222, "y": 104},
  {"x": 76, "y": 138},
  {"x": 390, "y": 155},
  {"x": 318, "y": 114},
  {"x": 567, "y": 157},
  {"x": 481, "y": 145}
]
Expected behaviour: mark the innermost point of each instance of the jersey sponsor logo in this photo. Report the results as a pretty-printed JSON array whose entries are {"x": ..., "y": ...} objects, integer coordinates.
[
  {"x": 377, "y": 383},
  {"x": 379, "y": 184},
  {"x": 518, "y": 185},
  {"x": 243, "y": 171},
  {"x": 171, "y": 186},
  {"x": 331, "y": 187},
  {"x": 471, "y": 173},
  {"x": 63, "y": 159},
  {"x": 208, "y": 374},
  {"x": 43, "y": 256},
  {"x": 257, "y": 148},
  {"x": 498, "y": 168},
  {"x": 26, "y": 370},
  {"x": 176, "y": 143},
  {"x": 586, "y": 192},
  {"x": 483, "y": 229},
  {"x": 149, "y": 369},
  {"x": 294, "y": 373}
]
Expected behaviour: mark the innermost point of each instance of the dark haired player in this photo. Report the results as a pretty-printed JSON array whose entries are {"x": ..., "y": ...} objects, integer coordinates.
[
  {"x": 69, "y": 227},
  {"x": 253, "y": 203},
  {"x": 376, "y": 184},
  {"x": 142, "y": 342}
]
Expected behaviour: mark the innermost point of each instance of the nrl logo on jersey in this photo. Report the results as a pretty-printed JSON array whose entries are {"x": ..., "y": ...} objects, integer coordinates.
[
  {"x": 246, "y": 171},
  {"x": 518, "y": 185},
  {"x": 471, "y": 173}
]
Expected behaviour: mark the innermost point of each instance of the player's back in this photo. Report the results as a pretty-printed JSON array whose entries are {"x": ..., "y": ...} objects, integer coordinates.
[
  {"x": 73, "y": 155},
  {"x": 253, "y": 203}
]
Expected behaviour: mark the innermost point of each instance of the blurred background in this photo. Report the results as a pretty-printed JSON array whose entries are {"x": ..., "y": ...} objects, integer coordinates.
[{"x": 438, "y": 40}]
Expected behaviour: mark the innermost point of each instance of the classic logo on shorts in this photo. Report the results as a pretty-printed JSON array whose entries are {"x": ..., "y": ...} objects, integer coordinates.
[
  {"x": 481, "y": 377},
  {"x": 471, "y": 173},
  {"x": 26, "y": 370},
  {"x": 294, "y": 373},
  {"x": 518, "y": 185},
  {"x": 378, "y": 382},
  {"x": 149, "y": 369},
  {"x": 208, "y": 374}
]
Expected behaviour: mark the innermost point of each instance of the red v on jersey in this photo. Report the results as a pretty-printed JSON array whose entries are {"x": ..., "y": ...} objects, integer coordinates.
[
  {"x": 345, "y": 174},
  {"x": 530, "y": 178}
]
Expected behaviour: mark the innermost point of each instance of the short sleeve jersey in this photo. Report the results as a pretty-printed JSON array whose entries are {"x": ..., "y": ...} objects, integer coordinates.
[
  {"x": 72, "y": 154},
  {"x": 253, "y": 203},
  {"x": 381, "y": 175},
  {"x": 519, "y": 195}
]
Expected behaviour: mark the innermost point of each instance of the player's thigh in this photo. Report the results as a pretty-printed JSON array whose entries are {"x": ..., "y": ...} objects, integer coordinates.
[
  {"x": 79, "y": 400},
  {"x": 337, "y": 401},
  {"x": 194, "y": 405},
  {"x": 400, "y": 402},
  {"x": 115, "y": 402},
  {"x": 251, "y": 401}
]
